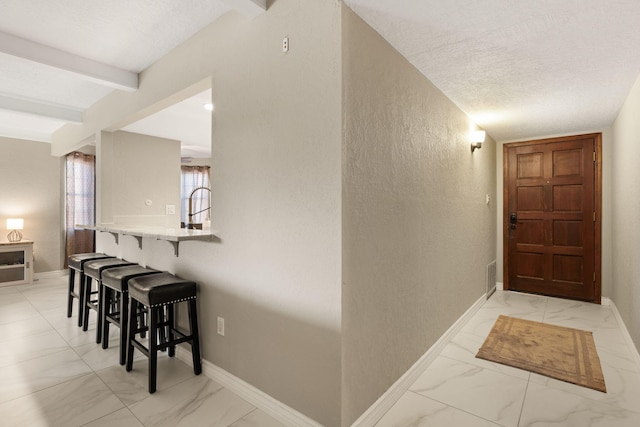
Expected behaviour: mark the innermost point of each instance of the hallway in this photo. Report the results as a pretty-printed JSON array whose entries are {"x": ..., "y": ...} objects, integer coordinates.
[
  {"x": 458, "y": 389},
  {"x": 53, "y": 374}
]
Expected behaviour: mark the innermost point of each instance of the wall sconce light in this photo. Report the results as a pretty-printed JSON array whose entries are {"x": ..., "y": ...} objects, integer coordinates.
[
  {"x": 15, "y": 224},
  {"x": 477, "y": 138}
]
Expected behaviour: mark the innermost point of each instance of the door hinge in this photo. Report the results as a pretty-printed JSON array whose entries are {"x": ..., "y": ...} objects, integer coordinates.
[
  {"x": 594, "y": 156},
  {"x": 594, "y": 216},
  {"x": 594, "y": 276}
]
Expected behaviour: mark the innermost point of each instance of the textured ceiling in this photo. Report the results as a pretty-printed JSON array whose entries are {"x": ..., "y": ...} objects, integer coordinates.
[{"x": 519, "y": 69}]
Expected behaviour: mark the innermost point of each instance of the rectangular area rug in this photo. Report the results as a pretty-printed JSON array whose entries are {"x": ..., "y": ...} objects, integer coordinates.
[{"x": 562, "y": 353}]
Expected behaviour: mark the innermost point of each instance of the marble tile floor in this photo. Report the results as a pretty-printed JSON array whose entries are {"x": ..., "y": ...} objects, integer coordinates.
[
  {"x": 459, "y": 390},
  {"x": 54, "y": 374}
]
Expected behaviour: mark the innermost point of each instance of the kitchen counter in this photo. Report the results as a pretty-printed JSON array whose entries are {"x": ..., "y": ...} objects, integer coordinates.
[{"x": 171, "y": 235}]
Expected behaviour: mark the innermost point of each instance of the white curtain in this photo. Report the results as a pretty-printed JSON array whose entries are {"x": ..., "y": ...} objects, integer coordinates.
[
  {"x": 194, "y": 177},
  {"x": 80, "y": 203}
]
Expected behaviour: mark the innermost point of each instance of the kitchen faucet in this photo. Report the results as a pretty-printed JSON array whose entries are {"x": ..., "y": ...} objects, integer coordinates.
[{"x": 191, "y": 213}]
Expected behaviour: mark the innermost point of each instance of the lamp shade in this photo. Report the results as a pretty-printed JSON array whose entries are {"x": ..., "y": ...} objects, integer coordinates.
[
  {"x": 478, "y": 136},
  {"x": 15, "y": 223}
]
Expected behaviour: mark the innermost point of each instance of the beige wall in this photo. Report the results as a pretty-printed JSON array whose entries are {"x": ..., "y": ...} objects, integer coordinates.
[
  {"x": 132, "y": 169},
  {"x": 276, "y": 167},
  {"x": 626, "y": 206},
  {"x": 30, "y": 188},
  {"x": 417, "y": 234}
]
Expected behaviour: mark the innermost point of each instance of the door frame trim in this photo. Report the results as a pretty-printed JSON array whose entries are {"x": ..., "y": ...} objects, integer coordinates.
[{"x": 597, "y": 188}]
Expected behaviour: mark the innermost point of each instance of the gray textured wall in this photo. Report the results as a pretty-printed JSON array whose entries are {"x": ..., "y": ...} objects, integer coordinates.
[
  {"x": 417, "y": 234},
  {"x": 276, "y": 197}
]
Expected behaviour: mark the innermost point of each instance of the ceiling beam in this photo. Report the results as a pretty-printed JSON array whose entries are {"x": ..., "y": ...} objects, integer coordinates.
[
  {"x": 91, "y": 70},
  {"x": 37, "y": 108},
  {"x": 250, "y": 8}
]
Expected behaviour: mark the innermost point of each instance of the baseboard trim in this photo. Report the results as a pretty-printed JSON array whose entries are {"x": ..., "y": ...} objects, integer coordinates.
[
  {"x": 50, "y": 274},
  {"x": 381, "y": 406},
  {"x": 625, "y": 333},
  {"x": 499, "y": 286},
  {"x": 251, "y": 394}
]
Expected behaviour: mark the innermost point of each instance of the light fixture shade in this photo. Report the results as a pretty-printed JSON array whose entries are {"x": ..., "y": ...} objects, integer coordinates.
[
  {"x": 15, "y": 223},
  {"x": 478, "y": 136}
]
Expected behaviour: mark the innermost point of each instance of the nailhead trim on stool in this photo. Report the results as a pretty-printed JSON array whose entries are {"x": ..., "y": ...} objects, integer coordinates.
[
  {"x": 157, "y": 291},
  {"x": 76, "y": 264},
  {"x": 115, "y": 282},
  {"x": 93, "y": 270}
]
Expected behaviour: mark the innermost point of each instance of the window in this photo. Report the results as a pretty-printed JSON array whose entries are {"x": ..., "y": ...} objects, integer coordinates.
[
  {"x": 195, "y": 177},
  {"x": 80, "y": 203}
]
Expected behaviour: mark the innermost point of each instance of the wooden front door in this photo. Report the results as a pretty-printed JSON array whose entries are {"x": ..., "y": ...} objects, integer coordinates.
[{"x": 552, "y": 217}]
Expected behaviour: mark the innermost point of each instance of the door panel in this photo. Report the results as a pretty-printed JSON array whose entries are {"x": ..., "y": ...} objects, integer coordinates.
[{"x": 550, "y": 243}]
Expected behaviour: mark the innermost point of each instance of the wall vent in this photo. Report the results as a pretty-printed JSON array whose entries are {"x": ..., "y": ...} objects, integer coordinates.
[{"x": 490, "y": 278}]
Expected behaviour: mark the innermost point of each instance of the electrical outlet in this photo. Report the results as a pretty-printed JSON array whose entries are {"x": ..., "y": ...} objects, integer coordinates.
[
  {"x": 221, "y": 326},
  {"x": 285, "y": 44},
  {"x": 170, "y": 209}
]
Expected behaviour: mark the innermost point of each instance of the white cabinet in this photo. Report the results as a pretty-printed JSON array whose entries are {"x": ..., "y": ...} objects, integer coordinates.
[{"x": 16, "y": 263}]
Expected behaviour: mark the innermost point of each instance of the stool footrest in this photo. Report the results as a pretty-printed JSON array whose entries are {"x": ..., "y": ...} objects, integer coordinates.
[{"x": 137, "y": 344}]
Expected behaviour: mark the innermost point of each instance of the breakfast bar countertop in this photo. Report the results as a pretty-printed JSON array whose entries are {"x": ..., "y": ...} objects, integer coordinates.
[{"x": 172, "y": 235}]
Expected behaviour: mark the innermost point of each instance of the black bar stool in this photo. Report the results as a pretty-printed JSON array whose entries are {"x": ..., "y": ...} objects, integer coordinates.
[
  {"x": 116, "y": 292},
  {"x": 157, "y": 292},
  {"x": 93, "y": 270},
  {"x": 76, "y": 264}
]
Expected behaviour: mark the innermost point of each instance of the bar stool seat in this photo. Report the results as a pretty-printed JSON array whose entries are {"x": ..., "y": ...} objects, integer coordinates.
[
  {"x": 115, "y": 288},
  {"x": 76, "y": 265},
  {"x": 93, "y": 270},
  {"x": 157, "y": 292}
]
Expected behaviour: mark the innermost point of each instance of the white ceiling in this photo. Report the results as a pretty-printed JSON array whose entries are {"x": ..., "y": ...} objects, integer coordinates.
[
  {"x": 187, "y": 121},
  {"x": 519, "y": 69},
  {"x": 42, "y": 87}
]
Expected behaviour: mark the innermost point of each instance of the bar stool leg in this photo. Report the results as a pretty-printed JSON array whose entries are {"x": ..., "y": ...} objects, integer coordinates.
[
  {"x": 72, "y": 278},
  {"x": 141, "y": 318},
  {"x": 133, "y": 307},
  {"x": 170, "y": 326},
  {"x": 86, "y": 295},
  {"x": 85, "y": 300},
  {"x": 153, "y": 348},
  {"x": 100, "y": 312},
  {"x": 195, "y": 340},
  {"x": 105, "y": 303},
  {"x": 81, "y": 302},
  {"x": 124, "y": 326},
  {"x": 161, "y": 318}
]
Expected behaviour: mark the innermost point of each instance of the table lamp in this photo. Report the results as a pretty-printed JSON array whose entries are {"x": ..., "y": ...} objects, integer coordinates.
[{"x": 15, "y": 224}]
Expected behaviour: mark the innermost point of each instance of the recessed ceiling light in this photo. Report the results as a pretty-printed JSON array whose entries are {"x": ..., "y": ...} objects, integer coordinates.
[{"x": 208, "y": 106}]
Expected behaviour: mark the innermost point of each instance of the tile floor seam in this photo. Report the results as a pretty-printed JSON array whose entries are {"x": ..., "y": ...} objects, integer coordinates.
[
  {"x": 47, "y": 387},
  {"x": 524, "y": 399},
  {"x": 124, "y": 405},
  {"x": 456, "y": 408}
]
